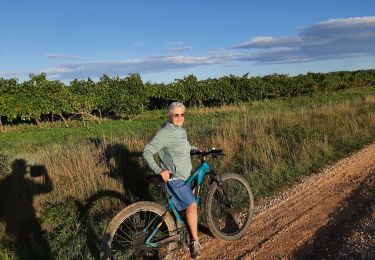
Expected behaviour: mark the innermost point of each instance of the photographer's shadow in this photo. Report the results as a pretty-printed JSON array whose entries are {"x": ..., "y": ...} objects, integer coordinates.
[{"x": 16, "y": 209}]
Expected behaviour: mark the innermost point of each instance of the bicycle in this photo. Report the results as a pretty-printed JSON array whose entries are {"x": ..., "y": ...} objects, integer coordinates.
[{"x": 146, "y": 230}]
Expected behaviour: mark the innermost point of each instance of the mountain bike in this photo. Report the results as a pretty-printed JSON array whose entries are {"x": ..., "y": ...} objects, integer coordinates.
[{"x": 147, "y": 230}]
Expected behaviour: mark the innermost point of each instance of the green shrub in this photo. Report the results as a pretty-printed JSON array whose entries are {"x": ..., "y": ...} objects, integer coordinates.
[{"x": 65, "y": 232}]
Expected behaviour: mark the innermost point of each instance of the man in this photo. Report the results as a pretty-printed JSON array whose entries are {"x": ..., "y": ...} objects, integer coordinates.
[{"x": 175, "y": 167}]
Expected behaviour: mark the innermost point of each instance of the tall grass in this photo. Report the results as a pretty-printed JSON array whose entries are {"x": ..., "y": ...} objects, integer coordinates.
[
  {"x": 275, "y": 148},
  {"x": 271, "y": 143}
]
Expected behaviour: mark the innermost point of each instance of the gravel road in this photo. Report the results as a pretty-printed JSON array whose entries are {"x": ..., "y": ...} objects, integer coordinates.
[{"x": 328, "y": 215}]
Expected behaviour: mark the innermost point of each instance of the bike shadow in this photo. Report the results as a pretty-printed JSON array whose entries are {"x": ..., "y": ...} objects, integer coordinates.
[
  {"x": 205, "y": 230},
  {"x": 90, "y": 220}
]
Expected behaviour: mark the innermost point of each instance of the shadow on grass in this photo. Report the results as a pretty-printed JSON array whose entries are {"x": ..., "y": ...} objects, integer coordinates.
[
  {"x": 124, "y": 165},
  {"x": 16, "y": 209},
  {"x": 88, "y": 221}
]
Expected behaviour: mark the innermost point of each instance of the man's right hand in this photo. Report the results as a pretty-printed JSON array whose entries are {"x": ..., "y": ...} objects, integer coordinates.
[{"x": 166, "y": 174}]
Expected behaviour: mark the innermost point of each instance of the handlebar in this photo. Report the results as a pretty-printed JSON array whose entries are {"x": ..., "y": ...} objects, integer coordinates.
[
  {"x": 156, "y": 179},
  {"x": 214, "y": 152}
]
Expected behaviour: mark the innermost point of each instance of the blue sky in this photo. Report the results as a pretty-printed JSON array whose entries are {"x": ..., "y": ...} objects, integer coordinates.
[{"x": 165, "y": 40}]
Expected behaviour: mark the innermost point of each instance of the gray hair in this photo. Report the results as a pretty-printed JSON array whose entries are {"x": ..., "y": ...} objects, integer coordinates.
[{"x": 173, "y": 106}]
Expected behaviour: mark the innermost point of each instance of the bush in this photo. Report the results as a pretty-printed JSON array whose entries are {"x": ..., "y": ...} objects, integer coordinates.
[{"x": 65, "y": 233}]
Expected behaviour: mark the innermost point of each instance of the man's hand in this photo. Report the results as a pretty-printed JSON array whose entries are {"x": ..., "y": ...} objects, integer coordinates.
[{"x": 165, "y": 174}]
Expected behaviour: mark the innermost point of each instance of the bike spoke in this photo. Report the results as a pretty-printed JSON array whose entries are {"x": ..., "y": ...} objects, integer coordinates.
[
  {"x": 130, "y": 237},
  {"x": 229, "y": 206},
  {"x": 123, "y": 239},
  {"x": 127, "y": 231}
]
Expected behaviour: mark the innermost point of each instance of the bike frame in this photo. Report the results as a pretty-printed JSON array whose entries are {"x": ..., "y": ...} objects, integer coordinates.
[{"x": 197, "y": 177}]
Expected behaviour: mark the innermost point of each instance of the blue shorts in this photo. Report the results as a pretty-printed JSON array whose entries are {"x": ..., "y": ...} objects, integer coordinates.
[{"x": 181, "y": 194}]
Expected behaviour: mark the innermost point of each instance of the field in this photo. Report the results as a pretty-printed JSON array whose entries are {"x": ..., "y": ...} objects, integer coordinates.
[{"x": 59, "y": 186}]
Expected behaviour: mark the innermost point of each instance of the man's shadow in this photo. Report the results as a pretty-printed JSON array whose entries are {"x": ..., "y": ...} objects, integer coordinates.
[
  {"x": 17, "y": 211},
  {"x": 126, "y": 166}
]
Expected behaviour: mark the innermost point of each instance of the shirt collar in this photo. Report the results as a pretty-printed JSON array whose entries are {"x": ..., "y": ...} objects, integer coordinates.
[{"x": 170, "y": 125}]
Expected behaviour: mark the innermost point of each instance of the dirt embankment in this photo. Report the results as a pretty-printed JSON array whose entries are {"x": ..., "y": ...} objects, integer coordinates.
[{"x": 328, "y": 215}]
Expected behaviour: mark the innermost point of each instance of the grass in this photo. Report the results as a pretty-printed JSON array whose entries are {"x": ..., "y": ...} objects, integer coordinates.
[{"x": 96, "y": 170}]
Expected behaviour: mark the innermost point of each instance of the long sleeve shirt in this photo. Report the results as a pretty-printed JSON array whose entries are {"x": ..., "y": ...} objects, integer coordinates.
[{"x": 171, "y": 143}]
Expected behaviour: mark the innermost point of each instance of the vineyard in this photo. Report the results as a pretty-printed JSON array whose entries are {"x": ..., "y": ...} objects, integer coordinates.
[{"x": 39, "y": 99}]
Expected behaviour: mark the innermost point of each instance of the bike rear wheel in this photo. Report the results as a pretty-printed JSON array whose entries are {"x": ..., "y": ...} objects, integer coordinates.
[
  {"x": 229, "y": 207},
  {"x": 126, "y": 234}
]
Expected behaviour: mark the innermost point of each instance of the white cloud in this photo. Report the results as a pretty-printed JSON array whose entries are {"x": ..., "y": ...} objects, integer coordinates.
[
  {"x": 348, "y": 21},
  {"x": 13, "y": 74},
  {"x": 188, "y": 60},
  {"x": 179, "y": 49},
  {"x": 57, "y": 70},
  {"x": 176, "y": 43},
  {"x": 267, "y": 42},
  {"x": 331, "y": 39},
  {"x": 60, "y": 56},
  {"x": 150, "y": 64}
]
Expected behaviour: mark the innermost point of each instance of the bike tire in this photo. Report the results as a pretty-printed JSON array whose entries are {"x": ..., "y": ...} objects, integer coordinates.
[
  {"x": 124, "y": 237},
  {"x": 229, "y": 207}
]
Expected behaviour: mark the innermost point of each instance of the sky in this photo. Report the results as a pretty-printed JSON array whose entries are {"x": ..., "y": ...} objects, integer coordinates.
[{"x": 168, "y": 40}]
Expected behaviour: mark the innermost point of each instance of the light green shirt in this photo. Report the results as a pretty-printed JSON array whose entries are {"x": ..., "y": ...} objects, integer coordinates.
[{"x": 174, "y": 150}]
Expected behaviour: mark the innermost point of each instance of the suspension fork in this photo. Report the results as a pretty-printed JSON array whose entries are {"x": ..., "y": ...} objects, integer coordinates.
[{"x": 216, "y": 177}]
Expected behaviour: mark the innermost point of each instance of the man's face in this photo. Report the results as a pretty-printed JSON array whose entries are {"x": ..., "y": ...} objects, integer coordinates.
[{"x": 177, "y": 116}]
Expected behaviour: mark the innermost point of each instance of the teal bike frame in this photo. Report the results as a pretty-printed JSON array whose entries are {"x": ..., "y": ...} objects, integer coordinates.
[{"x": 196, "y": 178}]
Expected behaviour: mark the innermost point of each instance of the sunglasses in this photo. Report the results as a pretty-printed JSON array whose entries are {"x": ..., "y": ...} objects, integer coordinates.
[{"x": 179, "y": 115}]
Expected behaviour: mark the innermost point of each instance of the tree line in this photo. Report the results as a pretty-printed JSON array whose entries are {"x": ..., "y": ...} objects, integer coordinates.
[{"x": 39, "y": 99}]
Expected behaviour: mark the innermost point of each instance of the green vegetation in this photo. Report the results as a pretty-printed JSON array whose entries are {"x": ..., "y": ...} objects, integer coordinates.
[
  {"x": 24, "y": 138},
  {"x": 95, "y": 169},
  {"x": 39, "y": 99}
]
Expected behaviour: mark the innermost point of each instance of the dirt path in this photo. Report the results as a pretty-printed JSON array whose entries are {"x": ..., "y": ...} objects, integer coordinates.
[{"x": 317, "y": 218}]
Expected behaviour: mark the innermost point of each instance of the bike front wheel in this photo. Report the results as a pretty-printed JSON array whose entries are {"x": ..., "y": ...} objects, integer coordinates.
[
  {"x": 126, "y": 235},
  {"x": 229, "y": 207}
]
